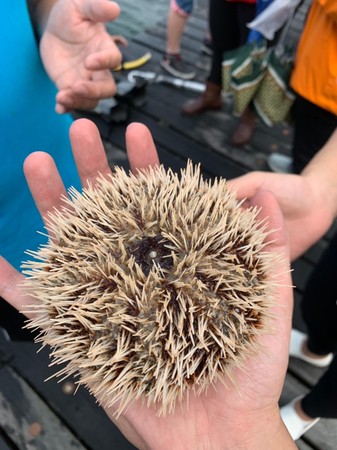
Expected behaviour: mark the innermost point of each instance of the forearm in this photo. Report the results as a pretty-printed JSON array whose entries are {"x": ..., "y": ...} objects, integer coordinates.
[
  {"x": 39, "y": 11},
  {"x": 322, "y": 172}
]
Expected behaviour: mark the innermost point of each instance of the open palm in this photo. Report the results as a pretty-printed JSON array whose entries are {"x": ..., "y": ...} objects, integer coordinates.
[
  {"x": 225, "y": 415},
  {"x": 78, "y": 53}
]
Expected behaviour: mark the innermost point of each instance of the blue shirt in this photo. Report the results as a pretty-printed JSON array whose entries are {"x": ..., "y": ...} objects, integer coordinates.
[{"x": 27, "y": 123}]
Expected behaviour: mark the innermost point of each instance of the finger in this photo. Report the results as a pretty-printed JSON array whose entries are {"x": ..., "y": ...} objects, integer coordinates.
[
  {"x": 271, "y": 211},
  {"x": 66, "y": 101},
  {"x": 100, "y": 10},
  {"x": 44, "y": 182},
  {"x": 85, "y": 94},
  {"x": 102, "y": 85},
  {"x": 10, "y": 290},
  {"x": 104, "y": 59},
  {"x": 247, "y": 185},
  {"x": 140, "y": 147},
  {"x": 88, "y": 150},
  {"x": 277, "y": 243}
]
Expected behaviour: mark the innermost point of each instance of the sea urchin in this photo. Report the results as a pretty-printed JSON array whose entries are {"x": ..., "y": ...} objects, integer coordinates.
[{"x": 151, "y": 285}]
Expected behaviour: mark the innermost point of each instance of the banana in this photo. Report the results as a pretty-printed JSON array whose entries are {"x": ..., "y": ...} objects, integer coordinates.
[{"x": 129, "y": 65}]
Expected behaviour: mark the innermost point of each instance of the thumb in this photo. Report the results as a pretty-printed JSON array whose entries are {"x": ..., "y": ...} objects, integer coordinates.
[
  {"x": 100, "y": 10},
  {"x": 278, "y": 244},
  {"x": 246, "y": 186}
]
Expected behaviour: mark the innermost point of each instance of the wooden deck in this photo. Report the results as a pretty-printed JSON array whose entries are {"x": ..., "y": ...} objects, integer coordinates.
[{"x": 46, "y": 415}]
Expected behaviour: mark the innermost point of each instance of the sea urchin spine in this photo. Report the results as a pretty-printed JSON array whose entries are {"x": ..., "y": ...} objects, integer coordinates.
[{"x": 151, "y": 285}]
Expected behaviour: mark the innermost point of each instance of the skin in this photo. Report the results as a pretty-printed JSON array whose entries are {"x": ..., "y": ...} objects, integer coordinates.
[
  {"x": 242, "y": 417},
  {"x": 175, "y": 28},
  {"x": 308, "y": 201},
  {"x": 297, "y": 208},
  {"x": 76, "y": 50}
]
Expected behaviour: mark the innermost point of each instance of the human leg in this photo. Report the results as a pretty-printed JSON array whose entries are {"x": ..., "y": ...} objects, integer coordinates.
[
  {"x": 319, "y": 303},
  {"x": 245, "y": 128},
  {"x": 302, "y": 413},
  {"x": 228, "y": 30},
  {"x": 319, "y": 311},
  {"x": 313, "y": 126},
  {"x": 247, "y": 123},
  {"x": 224, "y": 29},
  {"x": 220, "y": 12},
  {"x": 321, "y": 401},
  {"x": 176, "y": 21}
]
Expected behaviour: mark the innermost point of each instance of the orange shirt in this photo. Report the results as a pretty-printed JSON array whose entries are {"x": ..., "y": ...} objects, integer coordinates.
[{"x": 315, "y": 73}]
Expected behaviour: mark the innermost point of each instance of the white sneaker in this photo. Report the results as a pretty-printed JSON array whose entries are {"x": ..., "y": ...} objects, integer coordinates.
[
  {"x": 297, "y": 339},
  {"x": 280, "y": 163},
  {"x": 294, "y": 423}
]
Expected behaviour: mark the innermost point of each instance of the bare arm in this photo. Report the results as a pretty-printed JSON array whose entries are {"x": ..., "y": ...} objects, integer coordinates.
[
  {"x": 322, "y": 172},
  {"x": 308, "y": 201}
]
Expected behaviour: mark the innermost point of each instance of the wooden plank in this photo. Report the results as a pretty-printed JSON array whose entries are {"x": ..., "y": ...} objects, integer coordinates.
[
  {"x": 177, "y": 144},
  {"x": 175, "y": 162},
  {"x": 79, "y": 412},
  {"x": 302, "y": 445},
  {"x": 213, "y": 129},
  {"x": 307, "y": 374},
  {"x": 27, "y": 420},
  {"x": 191, "y": 42},
  {"x": 164, "y": 102},
  {"x": 5, "y": 442},
  {"x": 156, "y": 43}
]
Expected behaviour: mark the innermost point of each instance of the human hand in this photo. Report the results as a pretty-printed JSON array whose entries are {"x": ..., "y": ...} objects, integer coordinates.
[
  {"x": 47, "y": 187},
  {"x": 78, "y": 52},
  {"x": 240, "y": 415},
  {"x": 246, "y": 416},
  {"x": 302, "y": 200}
]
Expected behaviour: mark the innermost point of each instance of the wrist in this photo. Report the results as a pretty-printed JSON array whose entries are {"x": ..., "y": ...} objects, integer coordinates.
[
  {"x": 321, "y": 172},
  {"x": 255, "y": 433},
  {"x": 323, "y": 192}
]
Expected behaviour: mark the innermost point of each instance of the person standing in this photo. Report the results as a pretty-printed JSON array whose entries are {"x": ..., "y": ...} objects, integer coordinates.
[
  {"x": 315, "y": 84},
  {"x": 227, "y": 23},
  {"x": 172, "y": 62}
]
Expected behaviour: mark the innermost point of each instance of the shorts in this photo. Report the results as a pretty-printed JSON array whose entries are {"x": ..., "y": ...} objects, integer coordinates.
[{"x": 182, "y": 7}]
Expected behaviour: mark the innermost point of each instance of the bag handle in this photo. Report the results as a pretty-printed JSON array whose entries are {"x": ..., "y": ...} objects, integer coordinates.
[{"x": 280, "y": 46}]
